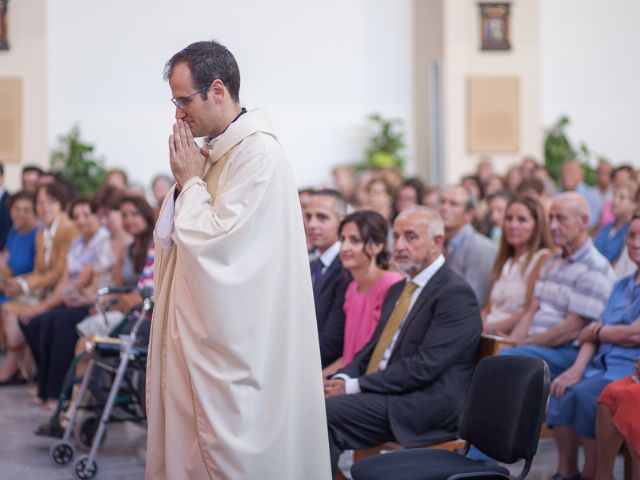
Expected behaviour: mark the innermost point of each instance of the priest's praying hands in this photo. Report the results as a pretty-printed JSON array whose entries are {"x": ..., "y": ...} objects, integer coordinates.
[{"x": 186, "y": 158}]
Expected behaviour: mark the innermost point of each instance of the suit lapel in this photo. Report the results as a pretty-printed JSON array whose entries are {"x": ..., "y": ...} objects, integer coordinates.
[
  {"x": 333, "y": 269},
  {"x": 425, "y": 296}
]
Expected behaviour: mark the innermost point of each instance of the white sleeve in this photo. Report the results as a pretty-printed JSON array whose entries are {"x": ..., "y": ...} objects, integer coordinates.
[
  {"x": 351, "y": 385},
  {"x": 164, "y": 226}
]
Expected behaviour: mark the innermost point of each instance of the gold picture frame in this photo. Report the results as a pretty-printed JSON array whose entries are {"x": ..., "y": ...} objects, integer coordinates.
[
  {"x": 494, "y": 26},
  {"x": 4, "y": 24}
]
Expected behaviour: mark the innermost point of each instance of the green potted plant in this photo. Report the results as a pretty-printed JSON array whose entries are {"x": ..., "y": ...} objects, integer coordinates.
[
  {"x": 75, "y": 160},
  {"x": 386, "y": 143},
  {"x": 558, "y": 148}
]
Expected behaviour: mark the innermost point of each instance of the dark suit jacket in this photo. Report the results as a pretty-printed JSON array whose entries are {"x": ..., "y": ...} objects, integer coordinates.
[
  {"x": 329, "y": 301},
  {"x": 432, "y": 362},
  {"x": 5, "y": 219}
]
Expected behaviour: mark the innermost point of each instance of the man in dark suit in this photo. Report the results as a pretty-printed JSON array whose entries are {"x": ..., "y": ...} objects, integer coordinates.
[
  {"x": 322, "y": 216},
  {"x": 411, "y": 379},
  {"x": 5, "y": 217}
]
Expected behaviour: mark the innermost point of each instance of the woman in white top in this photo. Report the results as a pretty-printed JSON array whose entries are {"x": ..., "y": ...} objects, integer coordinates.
[{"x": 524, "y": 247}]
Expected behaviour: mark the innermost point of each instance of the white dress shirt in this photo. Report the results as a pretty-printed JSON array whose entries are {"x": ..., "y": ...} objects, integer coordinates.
[{"x": 329, "y": 255}]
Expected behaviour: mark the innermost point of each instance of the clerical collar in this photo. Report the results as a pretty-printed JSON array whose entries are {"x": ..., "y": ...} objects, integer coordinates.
[
  {"x": 242, "y": 112},
  {"x": 210, "y": 140}
]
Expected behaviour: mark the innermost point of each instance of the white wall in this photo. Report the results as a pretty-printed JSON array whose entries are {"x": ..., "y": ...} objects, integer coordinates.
[
  {"x": 26, "y": 59},
  {"x": 318, "y": 68},
  {"x": 591, "y": 72},
  {"x": 463, "y": 57}
]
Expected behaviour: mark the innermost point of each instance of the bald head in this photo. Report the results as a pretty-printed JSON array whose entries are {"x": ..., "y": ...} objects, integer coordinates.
[
  {"x": 572, "y": 202},
  {"x": 569, "y": 221}
]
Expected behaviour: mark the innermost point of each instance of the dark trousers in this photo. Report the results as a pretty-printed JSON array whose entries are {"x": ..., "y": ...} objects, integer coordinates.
[
  {"x": 52, "y": 338},
  {"x": 356, "y": 422}
]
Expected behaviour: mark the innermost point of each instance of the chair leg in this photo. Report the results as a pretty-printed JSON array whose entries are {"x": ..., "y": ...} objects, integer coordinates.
[{"x": 628, "y": 473}]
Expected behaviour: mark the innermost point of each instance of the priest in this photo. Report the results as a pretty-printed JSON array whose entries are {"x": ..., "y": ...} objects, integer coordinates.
[{"x": 234, "y": 388}]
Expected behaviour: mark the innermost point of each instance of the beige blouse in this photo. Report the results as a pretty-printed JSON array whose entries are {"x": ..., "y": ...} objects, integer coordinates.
[{"x": 509, "y": 290}]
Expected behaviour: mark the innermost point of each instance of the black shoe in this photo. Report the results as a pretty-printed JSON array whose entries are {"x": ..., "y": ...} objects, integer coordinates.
[
  {"x": 557, "y": 476},
  {"x": 50, "y": 429},
  {"x": 16, "y": 379}
]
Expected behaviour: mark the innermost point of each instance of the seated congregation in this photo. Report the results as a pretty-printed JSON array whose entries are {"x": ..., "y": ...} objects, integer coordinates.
[
  {"x": 59, "y": 252},
  {"x": 406, "y": 281},
  {"x": 525, "y": 262}
]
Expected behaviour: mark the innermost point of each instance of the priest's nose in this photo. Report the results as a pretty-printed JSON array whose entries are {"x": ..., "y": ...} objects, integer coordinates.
[{"x": 180, "y": 114}]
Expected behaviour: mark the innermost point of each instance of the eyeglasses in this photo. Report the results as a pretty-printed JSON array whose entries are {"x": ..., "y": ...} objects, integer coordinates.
[{"x": 183, "y": 102}]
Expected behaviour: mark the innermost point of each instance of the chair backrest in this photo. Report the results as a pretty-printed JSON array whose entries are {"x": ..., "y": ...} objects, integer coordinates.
[{"x": 505, "y": 406}]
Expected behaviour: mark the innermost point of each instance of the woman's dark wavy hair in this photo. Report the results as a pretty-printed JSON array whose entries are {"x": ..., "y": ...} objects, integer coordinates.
[
  {"x": 140, "y": 247},
  {"x": 373, "y": 228}
]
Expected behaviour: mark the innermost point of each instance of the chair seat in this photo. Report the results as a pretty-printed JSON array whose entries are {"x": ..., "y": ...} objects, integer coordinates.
[{"x": 420, "y": 464}]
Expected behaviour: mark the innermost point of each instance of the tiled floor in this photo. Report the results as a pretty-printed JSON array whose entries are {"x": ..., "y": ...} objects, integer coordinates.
[{"x": 25, "y": 456}]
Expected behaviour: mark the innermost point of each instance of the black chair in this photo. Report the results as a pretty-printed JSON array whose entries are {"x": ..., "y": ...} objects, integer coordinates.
[{"x": 502, "y": 417}]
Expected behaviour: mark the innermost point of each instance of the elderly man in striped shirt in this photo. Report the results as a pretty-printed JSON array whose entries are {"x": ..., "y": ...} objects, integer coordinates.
[{"x": 571, "y": 291}]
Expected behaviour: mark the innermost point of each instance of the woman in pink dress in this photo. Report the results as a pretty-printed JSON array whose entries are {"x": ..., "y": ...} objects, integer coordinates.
[{"x": 363, "y": 251}]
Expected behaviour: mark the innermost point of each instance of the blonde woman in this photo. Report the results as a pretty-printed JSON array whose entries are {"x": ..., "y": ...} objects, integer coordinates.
[{"x": 524, "y": 247}]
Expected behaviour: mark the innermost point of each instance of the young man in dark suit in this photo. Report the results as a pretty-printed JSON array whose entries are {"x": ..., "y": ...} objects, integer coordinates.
[
  {"x": 322, "y": 216},
  {"x": 411, "y": 379}
]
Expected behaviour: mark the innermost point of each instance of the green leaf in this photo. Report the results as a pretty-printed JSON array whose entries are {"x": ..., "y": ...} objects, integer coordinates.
[
  {"x": 74, "y": 159},
  {"x": 386, "y": 143}
]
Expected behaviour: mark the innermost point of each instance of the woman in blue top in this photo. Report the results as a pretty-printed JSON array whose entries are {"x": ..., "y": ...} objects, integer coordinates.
[
  {"x": 610, "y": 238},
  {"x": 21, "y": 242},
  {"x": 608, "y": 351}
]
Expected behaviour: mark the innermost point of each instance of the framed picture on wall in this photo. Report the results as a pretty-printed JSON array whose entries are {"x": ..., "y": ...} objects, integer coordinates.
[
  {"x": 493, "y": 114},
  {"x": 494, "y": 26},
  {"x": 4, "y": 25}
]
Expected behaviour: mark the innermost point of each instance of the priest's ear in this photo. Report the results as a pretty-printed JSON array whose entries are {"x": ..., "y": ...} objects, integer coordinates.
[{"x": 217, "y": 90}]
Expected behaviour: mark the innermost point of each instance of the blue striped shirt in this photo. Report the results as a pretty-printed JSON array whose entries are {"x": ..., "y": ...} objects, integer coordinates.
[{"x": 579, "y": 283}]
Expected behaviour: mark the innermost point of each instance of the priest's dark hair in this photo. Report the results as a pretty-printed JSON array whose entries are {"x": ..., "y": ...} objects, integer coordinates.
[
  {"x": 373, "y": 229},
  {"x": 207, "y": 61}
]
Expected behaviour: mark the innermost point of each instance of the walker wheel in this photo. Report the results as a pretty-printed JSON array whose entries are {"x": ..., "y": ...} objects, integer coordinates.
[
  {"x": 61, "y": 453},
  {"x": 86, "y": 430},
  {"x": 83, "y": 469}
]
